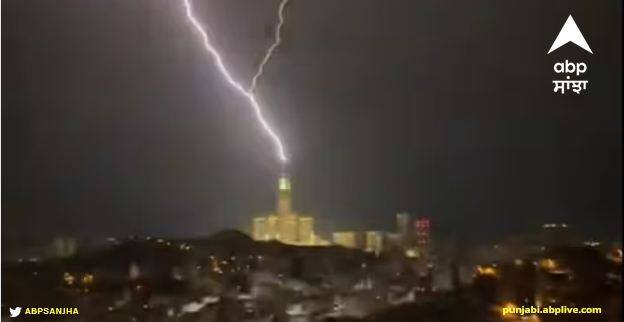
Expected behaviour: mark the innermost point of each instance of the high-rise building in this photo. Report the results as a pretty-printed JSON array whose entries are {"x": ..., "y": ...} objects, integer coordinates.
[
  {"x": 259, "y": 228},
  {"x": 422, "y": 226},
  {"x": 64, "y": 247},
  {"x": 345, "y": 239},
  {"x": 374, "y": 242},
  {"x": 306, "y": 230},
  {"x": 288, "y": 222},
  {"x": 284, "y": 202},
  {"x": 272, "y": 228},
  {"x": 555, "y": 235},
  {"x": 403, "y": 225},
  {"x": 284, "y": 225},
  {"x": 289, "y": 228}
]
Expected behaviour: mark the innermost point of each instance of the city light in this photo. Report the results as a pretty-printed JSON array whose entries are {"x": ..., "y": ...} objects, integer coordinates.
[
  {"x": 487, "y": 271},
  {"x": 69, "y": 279},
  {"x": 411, "y": 253},
  {"x": 87, "y": 279},
  {"x": 548, "y": 264}
]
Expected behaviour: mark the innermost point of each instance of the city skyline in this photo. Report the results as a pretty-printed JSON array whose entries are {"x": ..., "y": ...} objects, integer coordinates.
[
  {"x": 137, "y": 134},
  {"x": 312, "y": 161}
]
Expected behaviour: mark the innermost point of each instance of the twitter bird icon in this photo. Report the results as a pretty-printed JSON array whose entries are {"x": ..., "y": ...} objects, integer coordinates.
[{"x": 14, "y": 312}]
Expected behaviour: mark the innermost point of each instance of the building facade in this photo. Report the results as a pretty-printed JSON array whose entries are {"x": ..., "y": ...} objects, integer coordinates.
[
  {"x": 374, "y": 242},
  {"x": 285, "y": 225},
  {"x": 404, "y": 226},
  {"x": 345, "y": 239}
]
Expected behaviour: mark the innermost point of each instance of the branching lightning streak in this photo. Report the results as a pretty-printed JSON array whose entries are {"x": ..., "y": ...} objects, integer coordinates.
[
  {"x": 228, "y": 77},
  {"x": 274, "y": 45}
]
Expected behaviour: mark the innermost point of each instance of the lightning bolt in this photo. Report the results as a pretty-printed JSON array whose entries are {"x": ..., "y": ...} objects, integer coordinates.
[
  {"x": 274, "y": 45},
  {"x": 236, "y": 85}
]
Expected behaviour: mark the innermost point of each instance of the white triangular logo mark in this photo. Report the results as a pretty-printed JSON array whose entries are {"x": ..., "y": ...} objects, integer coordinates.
[{"x": 570, "y": 33}]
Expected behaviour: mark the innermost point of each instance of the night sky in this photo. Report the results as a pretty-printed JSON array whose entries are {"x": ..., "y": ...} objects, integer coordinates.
[{"x": 115, "y": 121}]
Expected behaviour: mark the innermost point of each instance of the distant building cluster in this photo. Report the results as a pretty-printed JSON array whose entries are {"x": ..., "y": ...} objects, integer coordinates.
[{"x": 412, "y": 234}]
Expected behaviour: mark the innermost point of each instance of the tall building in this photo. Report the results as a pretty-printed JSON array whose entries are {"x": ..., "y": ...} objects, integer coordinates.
[
  {"x": 306, "y": 230},
  {"x": 555, "y": 235},
  {"x": 345, "y": 239},
  {"x": 403, "y": 226},
  {"x": 272, "y": 227},
  {"x": 284, "y": 200},
  {"x": 289, "y": 228},
  {"x": 259, "y": 228},
  {"x": 374, "y": 242},
  {"x": 422, "y": 226},
  {"x": 285, "y": 225},
  {"x": 64, "y": 247}
]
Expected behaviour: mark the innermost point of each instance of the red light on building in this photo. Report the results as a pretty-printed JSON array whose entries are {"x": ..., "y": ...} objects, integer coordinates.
[
  {"x": 422, "y": 224},
  {"x": 422, "y": 227}
]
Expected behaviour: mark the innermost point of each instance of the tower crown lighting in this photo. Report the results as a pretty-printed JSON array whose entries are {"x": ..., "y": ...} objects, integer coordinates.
[{"x": 284, "y": 184}]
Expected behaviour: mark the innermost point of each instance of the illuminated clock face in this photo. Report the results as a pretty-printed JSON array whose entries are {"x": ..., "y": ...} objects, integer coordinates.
[{"x": 284, "y": 184}]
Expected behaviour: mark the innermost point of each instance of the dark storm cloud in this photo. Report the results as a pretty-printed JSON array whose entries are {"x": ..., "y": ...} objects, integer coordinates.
[{"x": 115, "y": 121}]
